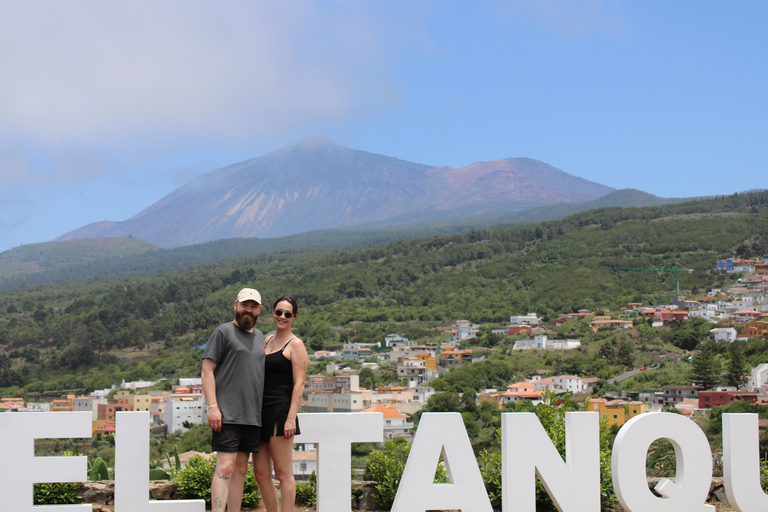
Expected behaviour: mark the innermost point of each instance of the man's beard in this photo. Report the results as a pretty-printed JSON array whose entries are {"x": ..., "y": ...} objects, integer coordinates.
[{"x": 245, "y": 321}]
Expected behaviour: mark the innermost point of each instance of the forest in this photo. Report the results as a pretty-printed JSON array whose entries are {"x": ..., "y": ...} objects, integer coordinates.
[{"x": 82, "y": 335}]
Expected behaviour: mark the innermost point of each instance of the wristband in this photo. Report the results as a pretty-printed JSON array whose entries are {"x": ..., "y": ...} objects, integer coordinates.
[{"x": 212, "y": 406}]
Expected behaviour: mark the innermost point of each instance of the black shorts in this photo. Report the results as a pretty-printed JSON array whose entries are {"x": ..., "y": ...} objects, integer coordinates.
[{"x": 236, "y": 438}]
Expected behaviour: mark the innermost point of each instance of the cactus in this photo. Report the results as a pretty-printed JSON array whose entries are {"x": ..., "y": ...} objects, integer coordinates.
[{"x": 98, "y": 470}]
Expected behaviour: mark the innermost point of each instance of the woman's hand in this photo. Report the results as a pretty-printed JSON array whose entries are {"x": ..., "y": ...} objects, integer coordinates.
[{"x": 289, "y": 429}]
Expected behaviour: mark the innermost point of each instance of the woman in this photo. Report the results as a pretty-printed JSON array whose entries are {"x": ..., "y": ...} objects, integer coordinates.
[{"x": 285, "y": 371}]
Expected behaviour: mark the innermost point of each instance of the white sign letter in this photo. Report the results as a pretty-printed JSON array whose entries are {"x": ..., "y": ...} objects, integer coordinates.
[
  {"x": 689, "y": 491},
  {"x": 527, "y": 451},
  {"x": 132, "y": 468},
  {"x": 334, "y": 433},
  {"x": 20, "y": 469},
  {"x": 441, "y": 433},
  {"x": 741, "y": 463}
]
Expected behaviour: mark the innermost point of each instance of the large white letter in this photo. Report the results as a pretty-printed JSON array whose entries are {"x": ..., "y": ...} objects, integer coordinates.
[
  {"x": 20, "y": 469},
  {"x": 741, "y": 463},
  {"x": 527, "y": 451},
  {"x": 441, "y": 433},
  {"x": 688, "y": 493},
  {"x": 132, "y": 468},
  {"x": 334, "y": 433}
]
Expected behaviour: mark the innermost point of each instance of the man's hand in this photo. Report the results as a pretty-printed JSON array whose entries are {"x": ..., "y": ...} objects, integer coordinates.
[{"x": 214, "y": 418}]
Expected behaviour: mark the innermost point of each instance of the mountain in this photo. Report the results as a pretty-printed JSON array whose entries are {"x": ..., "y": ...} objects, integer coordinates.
[
  {"x": 18, "y": 268},
  {"x": 319, "y": 184}
]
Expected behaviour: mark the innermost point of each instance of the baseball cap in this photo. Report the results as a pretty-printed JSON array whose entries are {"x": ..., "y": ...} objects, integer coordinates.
[{"x": 248, "y": 294}]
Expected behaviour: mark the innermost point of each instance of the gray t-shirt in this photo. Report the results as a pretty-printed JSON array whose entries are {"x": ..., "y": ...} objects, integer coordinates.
[{"x": 239, "y": 357}]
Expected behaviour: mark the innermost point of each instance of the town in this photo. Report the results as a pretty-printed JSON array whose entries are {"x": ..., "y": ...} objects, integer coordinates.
[{"x": 335, "y": 383}]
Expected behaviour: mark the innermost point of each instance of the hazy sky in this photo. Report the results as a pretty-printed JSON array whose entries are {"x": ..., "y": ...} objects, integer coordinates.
[{"x": 106, "y": 107}]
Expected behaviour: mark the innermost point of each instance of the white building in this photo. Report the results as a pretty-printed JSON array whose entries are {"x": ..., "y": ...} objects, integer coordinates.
[
  {"x": 396, "y": 424},
  {"x": 529, "y": 319},
  {"x": 724, "y": 334},
  {"x": 541, "y": 342},
  {"x": 462, "y": 330},
  {"x": 184, "y": 407},
  {"x": 395, "y": 340},
  {"x": 758, "y": 379},
  {"x": 88, "y": 403}
]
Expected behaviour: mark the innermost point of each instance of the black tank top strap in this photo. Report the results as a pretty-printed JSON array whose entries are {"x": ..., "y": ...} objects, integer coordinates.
[{"x": 286, "y": 344}]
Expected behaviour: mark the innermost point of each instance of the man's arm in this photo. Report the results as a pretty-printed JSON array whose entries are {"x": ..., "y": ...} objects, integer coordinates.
[{"x": 209, "y": 390}]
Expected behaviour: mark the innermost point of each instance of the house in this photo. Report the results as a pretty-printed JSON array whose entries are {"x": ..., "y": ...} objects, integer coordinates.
[
  {"x": 756, "y": 329},
  {"x": 529, "y": 319},
  {"x": 616, "y": 412},
  {"x": 62, "y": 404},
  {"x": 521, "y": 391},
  {"x": 724, "y": 334},
  {"x": 11, "y": 404},
  {"x": 462, "y": 330},
  {"x": 670, "y": 315},
  {"x": 759, "y": 377},
  {"x": 687, "y": 407},
  {"x": 676, "y": 394},
  {"x": 395, "y": 340},
  {"x": 181, "y": 408},
  {"x": 304, "y": 463},
  {"x": 596, "y": 325},
  {"x": 452, "y": 356},
  {"x": 357, "y": 351},
  {"x": 89, "y": 403},
  {"x": 348, "y": 401},
  {"x": 396, "y": 424},
  {"x": 541, "y": 342},
  {"x": 709, "y": 399},
  {"x": 513, "y": 330}
]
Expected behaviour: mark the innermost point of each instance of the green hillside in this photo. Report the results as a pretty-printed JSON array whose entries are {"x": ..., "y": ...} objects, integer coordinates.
[
  {"x": 17, "y": 272},
  {"x": 84, "y": 335},
  {"x": 54, "y": 256}
]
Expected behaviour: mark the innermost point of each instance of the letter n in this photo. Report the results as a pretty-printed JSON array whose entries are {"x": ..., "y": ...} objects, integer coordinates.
[{"x": 527, "y": 452}]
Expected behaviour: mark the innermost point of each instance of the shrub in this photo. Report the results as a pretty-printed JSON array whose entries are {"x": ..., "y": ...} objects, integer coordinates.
[
  {"x": 306, "y": 491},
  {"x": 386, "y": 469},
  {"x": 194, "y": 482}
]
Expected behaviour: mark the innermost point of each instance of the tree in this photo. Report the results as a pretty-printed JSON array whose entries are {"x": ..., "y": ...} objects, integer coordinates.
[
  {"x": 705, "y": 369},
  {"x": 737, "y": 364}
]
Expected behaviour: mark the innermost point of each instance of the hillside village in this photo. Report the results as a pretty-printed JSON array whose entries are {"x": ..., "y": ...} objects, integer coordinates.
[{"x": 335, "y": 383}]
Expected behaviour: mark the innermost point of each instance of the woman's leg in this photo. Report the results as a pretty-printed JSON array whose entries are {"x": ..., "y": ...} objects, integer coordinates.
[
  {"x": 281, "y": 451},
  {"x": 262, "y": 469}
]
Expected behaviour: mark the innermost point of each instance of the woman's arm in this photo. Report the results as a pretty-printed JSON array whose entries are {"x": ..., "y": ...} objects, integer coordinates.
[{"x": 299, "y": 362}]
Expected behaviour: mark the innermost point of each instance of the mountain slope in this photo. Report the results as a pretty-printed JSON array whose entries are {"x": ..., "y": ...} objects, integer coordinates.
[
  {"x": 319, "y": 184},
  {"x": 107, "y": 266}
]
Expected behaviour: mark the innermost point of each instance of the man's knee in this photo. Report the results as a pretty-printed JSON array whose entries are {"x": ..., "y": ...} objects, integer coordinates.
[{"x": 225, "y": 468}]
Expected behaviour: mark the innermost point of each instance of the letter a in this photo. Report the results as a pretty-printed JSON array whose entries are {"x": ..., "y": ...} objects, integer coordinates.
[{"x": 441, "y": 433}]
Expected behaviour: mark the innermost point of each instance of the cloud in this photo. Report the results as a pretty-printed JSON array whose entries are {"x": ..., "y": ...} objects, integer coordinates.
[
  {"x": 571, "y": 19},
  {"x": 106, "y": 73}
]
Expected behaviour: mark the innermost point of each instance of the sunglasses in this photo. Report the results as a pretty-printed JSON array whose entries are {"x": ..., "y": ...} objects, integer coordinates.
[{"x": 280, "y": 312}]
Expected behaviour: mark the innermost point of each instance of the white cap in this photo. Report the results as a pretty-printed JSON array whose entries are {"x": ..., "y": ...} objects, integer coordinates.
[{"x": 248, "y": 294}]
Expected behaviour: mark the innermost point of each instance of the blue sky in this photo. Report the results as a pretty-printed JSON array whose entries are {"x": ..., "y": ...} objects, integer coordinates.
[{"x": 106, "y": 107}]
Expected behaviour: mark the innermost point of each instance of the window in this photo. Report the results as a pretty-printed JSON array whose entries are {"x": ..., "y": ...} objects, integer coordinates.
[{"x": 615, "y": 416}]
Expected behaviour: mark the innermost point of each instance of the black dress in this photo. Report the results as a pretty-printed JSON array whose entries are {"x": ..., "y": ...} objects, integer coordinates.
[{"x": 278, "y": 388}]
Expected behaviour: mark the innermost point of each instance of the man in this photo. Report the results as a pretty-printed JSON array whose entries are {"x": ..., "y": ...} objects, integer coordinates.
[{"x": 233, "y": 381}]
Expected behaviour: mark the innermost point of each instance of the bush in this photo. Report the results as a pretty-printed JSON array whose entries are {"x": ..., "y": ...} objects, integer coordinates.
[
  {"x": 306, "y": 491},
  {"x": 194, "y": 482},
  {"x": 386, "y": 469},
  {"x": 64, "y": 493}
]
